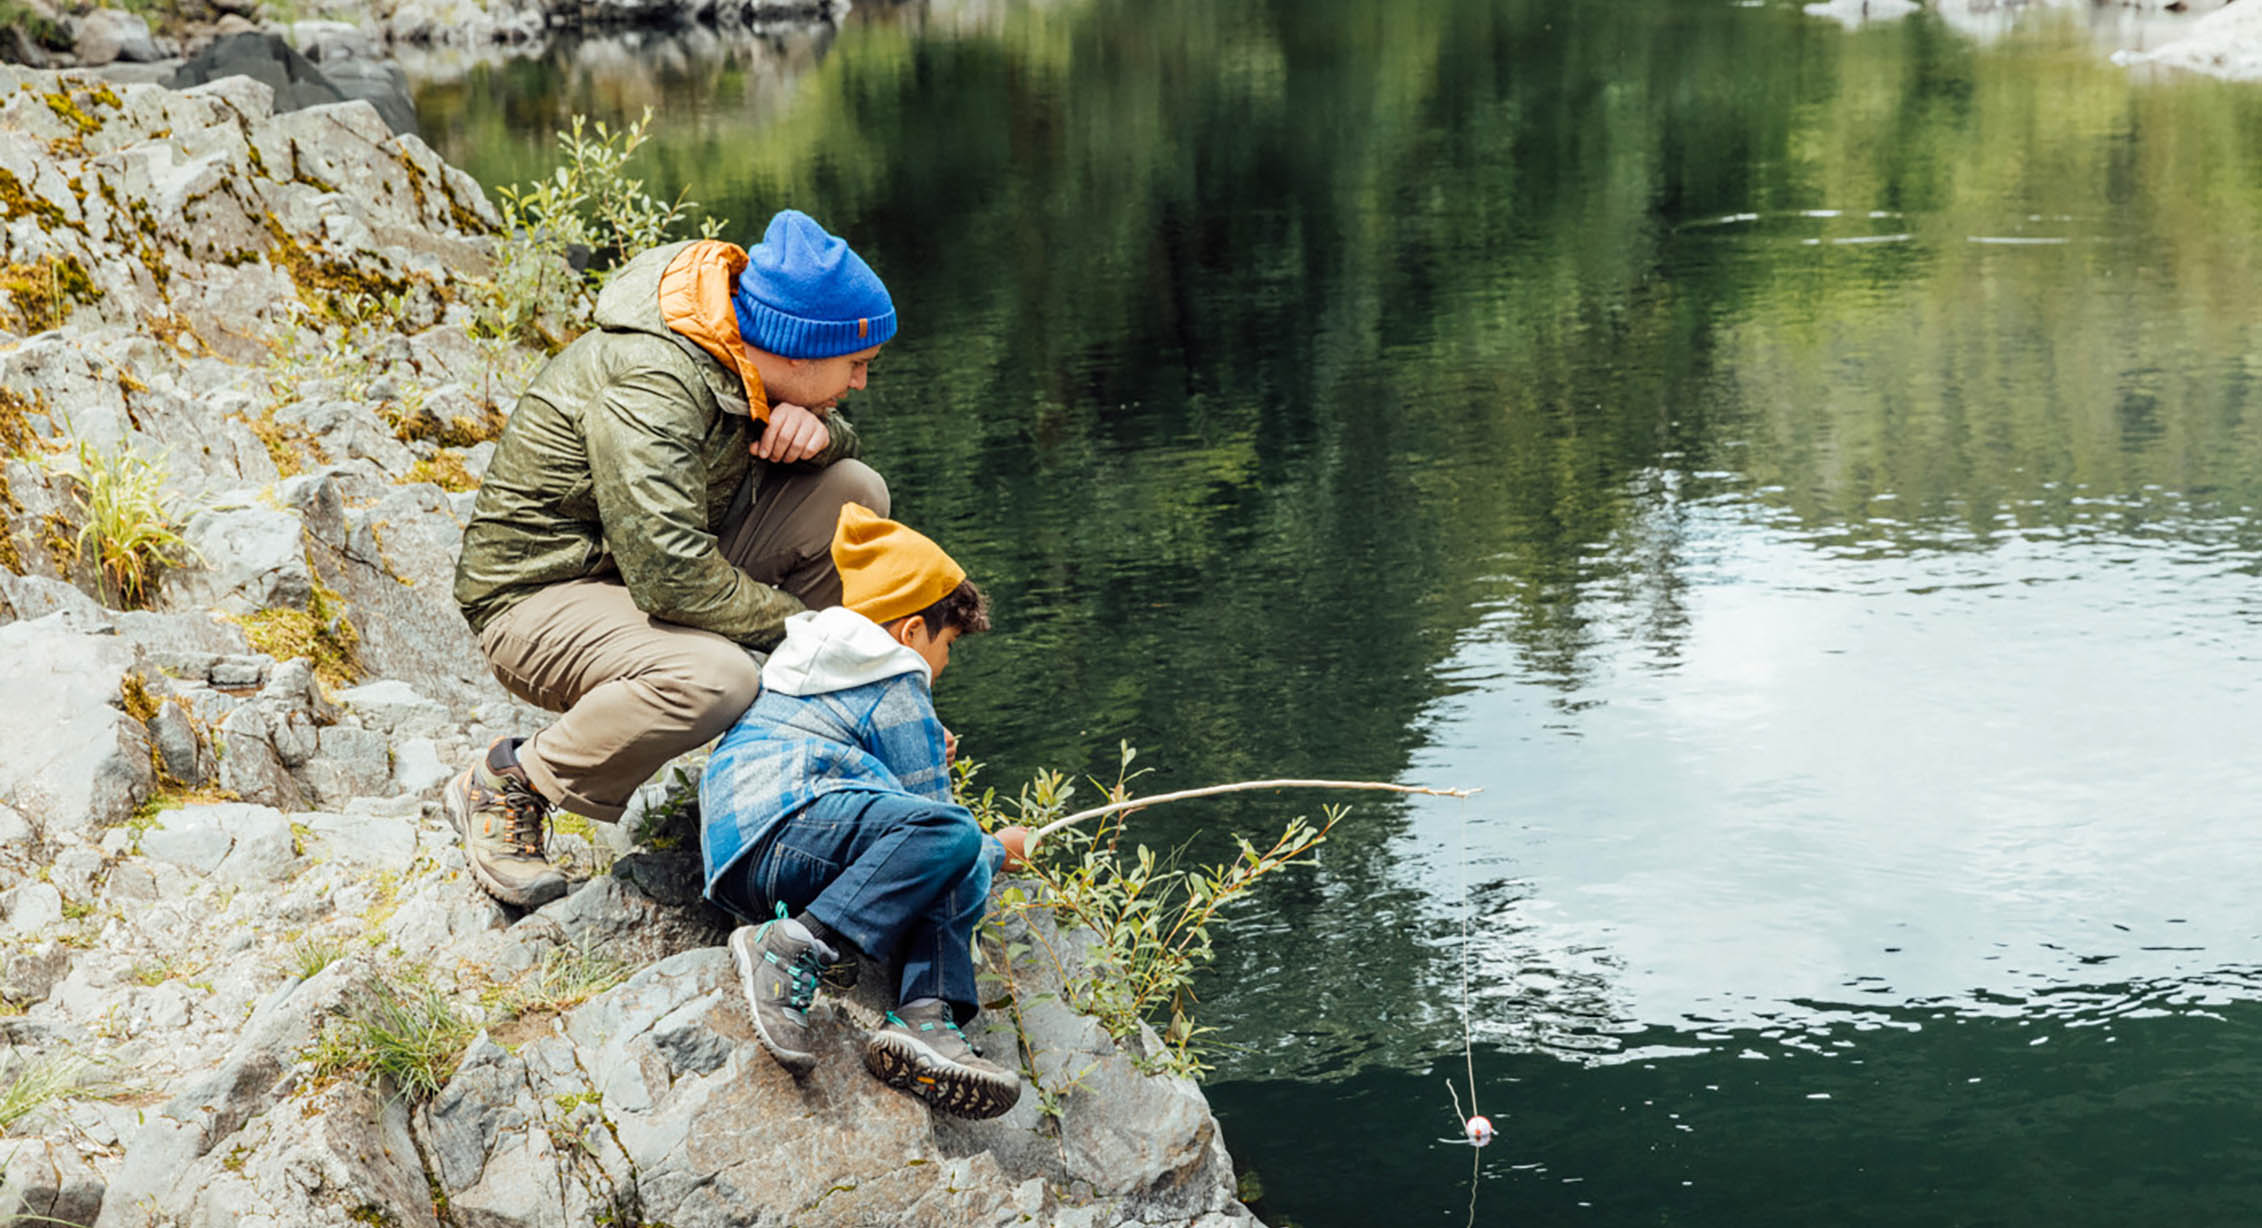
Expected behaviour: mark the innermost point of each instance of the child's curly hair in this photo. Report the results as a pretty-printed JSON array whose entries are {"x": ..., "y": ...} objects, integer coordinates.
[{"x": 963, "y": 607}]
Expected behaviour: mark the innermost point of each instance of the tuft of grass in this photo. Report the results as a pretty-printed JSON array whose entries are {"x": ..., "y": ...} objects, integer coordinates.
[
  {"x": 155, "y": 972},
  {"x": 566, "y": 978},
  {"x": 310, "y": 955},
  {"x": 29, "y": 1084},
  {"x": 130, "y": 531},
  {"x": 400, "y": 1031}
]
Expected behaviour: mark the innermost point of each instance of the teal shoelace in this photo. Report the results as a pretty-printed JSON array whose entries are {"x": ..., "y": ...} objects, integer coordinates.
[
  {"x": 802, "y": 973},
  {"x": 899, "y": 1021}
]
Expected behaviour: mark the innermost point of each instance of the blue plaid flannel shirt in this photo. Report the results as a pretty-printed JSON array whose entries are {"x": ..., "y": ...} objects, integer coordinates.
[{"x": 789, "y": 750}]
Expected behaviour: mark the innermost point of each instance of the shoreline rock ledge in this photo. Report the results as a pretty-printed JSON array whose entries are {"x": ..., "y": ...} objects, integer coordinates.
[{"x": 244, "y": 976}]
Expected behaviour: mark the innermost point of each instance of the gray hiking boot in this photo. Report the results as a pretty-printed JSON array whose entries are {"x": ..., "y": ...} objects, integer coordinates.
[
  {"x": 779, "y": 963},
  {"x": 922, "y": 1052},
  {"x": 502, "y": 821}
]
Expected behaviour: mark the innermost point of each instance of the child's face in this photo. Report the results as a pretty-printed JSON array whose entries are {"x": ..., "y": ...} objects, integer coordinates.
[{"x": 934, "y": 648}]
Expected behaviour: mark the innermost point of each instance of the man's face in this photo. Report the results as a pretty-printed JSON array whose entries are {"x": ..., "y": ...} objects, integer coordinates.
[{"x": 819, "y": 383}]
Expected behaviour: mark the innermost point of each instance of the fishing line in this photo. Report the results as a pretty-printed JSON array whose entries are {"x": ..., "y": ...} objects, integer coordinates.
[{"x": 1476, "y": 1128}]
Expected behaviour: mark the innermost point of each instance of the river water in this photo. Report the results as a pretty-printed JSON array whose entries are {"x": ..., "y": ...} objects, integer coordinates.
[{"x": 1804, "y": 476}]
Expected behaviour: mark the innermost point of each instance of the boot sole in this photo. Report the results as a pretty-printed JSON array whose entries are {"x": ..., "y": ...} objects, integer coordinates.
[
  {"x": 907, "y": 1064},
  {"x": 743, "y": 957},
  {"x": 456, "y": 801}
]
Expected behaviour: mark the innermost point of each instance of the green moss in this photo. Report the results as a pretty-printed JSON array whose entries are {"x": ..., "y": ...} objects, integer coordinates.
[
  {"x": 10, "y": 557},
  {"x": 62, "y": 542},
  {"x": 44, "y": 294},
  {"x": 323, "y": 283},
  {"x": 16, "y": 435},
  {"x": 458, "y": 432},
  {"x": 68, "y": 110},
  {"x": 287, "y": 445},
  {"x": 299, "y": 173},
  {"x": 134, "y": 697},
  {"x": 19, "y": 201},
  {"x": 321, "y": 633},
  {"x": 44, "y": 30},
  {"x": 445, "y": 470},
  {"x": 173, "y": 798}
]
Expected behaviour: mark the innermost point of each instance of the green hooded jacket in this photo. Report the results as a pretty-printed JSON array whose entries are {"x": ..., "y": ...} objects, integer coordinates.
[{"x": 622, "y": 457}]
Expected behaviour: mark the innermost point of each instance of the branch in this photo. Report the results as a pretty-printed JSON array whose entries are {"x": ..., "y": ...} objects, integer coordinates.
[{"x": 1240, "y": 787}]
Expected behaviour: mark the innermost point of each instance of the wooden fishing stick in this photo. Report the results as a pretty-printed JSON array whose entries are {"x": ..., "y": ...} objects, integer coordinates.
[{"x": 1242, "y": 786}]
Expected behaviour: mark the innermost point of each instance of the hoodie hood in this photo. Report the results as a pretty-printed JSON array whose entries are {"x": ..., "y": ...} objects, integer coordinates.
[
  {"x": 682, "y": 291},
  {"x": 835, "y": 649}
]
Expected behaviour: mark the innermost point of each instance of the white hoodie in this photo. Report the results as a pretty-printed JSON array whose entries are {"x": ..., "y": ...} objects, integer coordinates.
[{"x": 835, "y": 649}]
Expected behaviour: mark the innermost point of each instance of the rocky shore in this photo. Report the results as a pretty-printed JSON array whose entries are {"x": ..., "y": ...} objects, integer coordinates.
[
  {"x": 226, "y": 895},
  {"x": 2216, "y": 37},
  {"x": 76, "y": 33}
]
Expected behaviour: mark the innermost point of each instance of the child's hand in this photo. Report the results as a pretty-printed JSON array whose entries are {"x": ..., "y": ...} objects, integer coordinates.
[
  {"x": 1016, "y": 842},
  {"x": 949, "y": 748}
]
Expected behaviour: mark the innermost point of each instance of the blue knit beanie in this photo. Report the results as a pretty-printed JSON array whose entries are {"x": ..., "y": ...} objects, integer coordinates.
[{"x": 804, "y": 294}]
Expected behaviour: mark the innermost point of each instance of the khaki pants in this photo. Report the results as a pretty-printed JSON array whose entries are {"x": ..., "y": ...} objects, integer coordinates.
[{"x": 636, "y": 692}]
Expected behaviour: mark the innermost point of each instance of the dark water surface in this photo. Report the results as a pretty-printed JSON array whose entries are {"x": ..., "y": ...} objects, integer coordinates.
[{"x": 1807, "y": 478}]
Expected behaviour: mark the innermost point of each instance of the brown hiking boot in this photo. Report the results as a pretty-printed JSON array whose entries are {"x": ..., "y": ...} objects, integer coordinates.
[
  {"x": 502, "y": 819},
  {"x": 922, "y": 1052}
]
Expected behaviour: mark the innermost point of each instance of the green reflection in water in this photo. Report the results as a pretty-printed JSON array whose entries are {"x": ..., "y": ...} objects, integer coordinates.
[{"x": 1364, "y": 388}]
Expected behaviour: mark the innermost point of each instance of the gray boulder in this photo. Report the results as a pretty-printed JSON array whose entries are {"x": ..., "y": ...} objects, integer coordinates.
[
  {"x": 76, "y": 760},
  {"x": 47, "y": 1181},
  {"x": 230, "y": 842},
  {"x": 106, "y": 35},
  {"x": 297, "y": 81},
  {"x": 23, "y": 598},
  {"x": 252, "y": 558},
  {"x": 347, "y": 763}
]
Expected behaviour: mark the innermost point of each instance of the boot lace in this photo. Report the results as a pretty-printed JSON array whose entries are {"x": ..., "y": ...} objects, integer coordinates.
[{"x": 524, "y": 811}]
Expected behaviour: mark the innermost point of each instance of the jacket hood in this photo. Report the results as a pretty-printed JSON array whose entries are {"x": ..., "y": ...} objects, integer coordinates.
[
  {"x": 835, "y": 649},
  {"x": 682, "y": 291}
]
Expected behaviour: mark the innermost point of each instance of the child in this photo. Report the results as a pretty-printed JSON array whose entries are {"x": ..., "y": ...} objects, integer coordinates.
[{"x": 829, "y": 802}]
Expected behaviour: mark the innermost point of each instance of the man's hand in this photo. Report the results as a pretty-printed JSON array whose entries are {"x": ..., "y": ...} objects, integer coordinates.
[
  {"x": 794, "y": 434},
  {"x": 949, "y": 747}
]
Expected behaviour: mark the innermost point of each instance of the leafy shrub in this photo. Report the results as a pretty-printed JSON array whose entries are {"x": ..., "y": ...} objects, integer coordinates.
[
  {"x": 1150, "y": 919},
  {"x": 589, "y": 206}
]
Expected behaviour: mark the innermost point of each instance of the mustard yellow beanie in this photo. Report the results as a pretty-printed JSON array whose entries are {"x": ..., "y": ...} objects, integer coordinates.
[{"x": 888, "y": 571}]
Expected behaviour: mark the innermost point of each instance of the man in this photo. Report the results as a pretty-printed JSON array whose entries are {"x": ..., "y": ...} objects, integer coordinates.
[{"x": 662, "y": 500}]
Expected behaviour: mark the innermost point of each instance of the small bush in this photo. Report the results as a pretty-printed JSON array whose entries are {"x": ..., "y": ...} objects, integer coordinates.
[
  {"x": 589, "y": 204},
  {"x": 403, "y": 1031},
  {"x": 1151, "y": 919}
]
